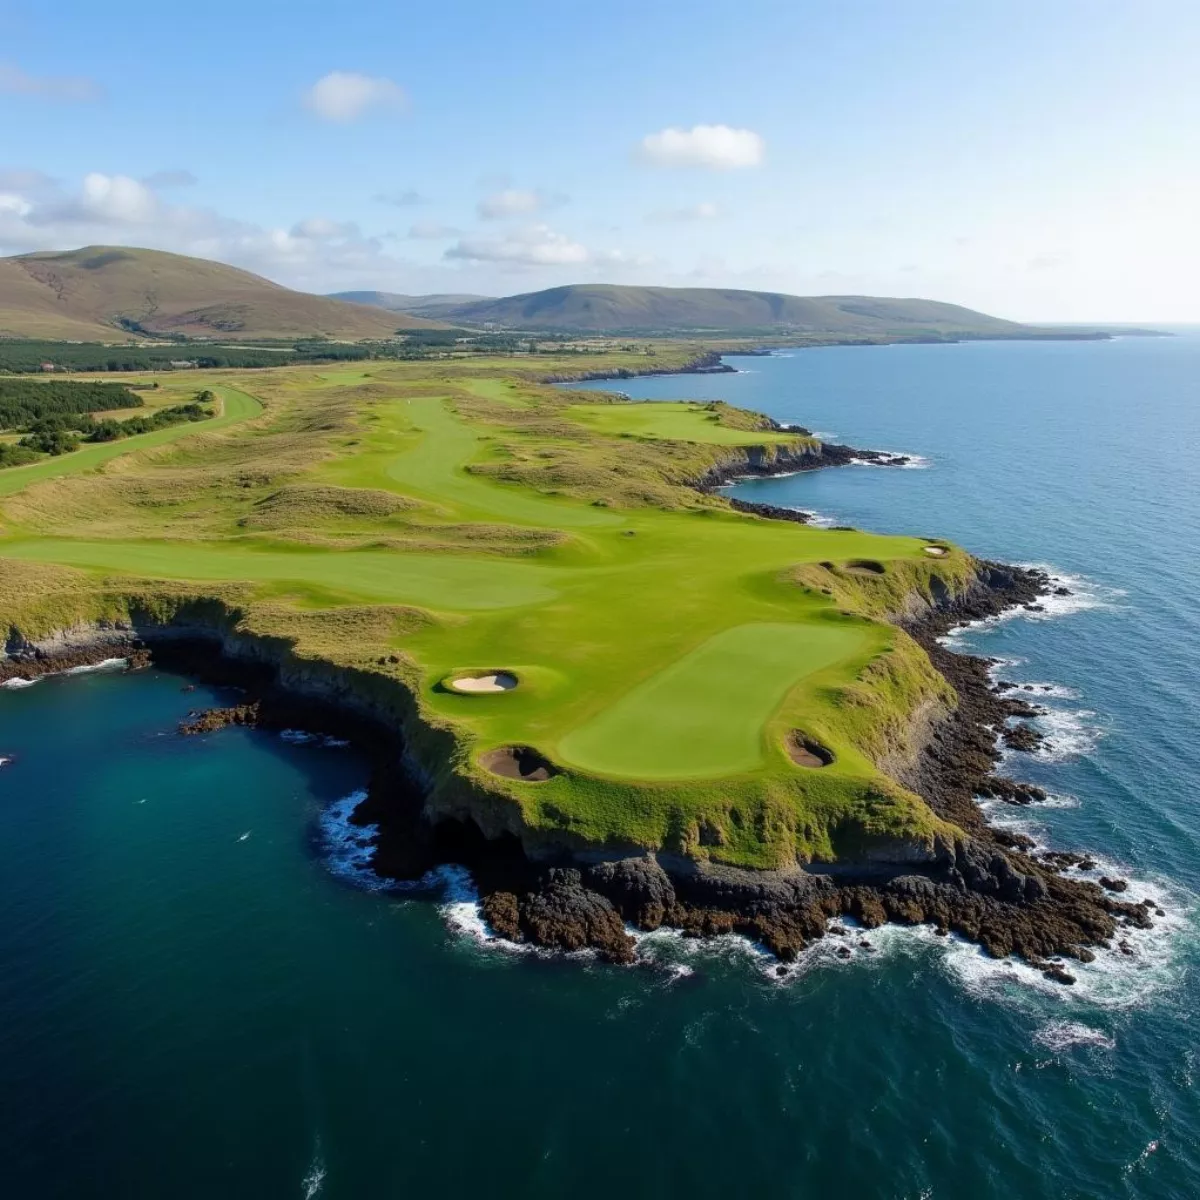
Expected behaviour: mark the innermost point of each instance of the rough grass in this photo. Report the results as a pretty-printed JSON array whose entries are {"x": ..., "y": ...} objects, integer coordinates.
[{"x": 450, "y": 517}]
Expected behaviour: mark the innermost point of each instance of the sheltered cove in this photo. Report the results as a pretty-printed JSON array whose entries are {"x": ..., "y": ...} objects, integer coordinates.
[{"x": 901, "y": 837}]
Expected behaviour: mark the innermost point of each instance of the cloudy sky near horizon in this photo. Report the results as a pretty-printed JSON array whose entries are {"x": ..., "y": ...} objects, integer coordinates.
[{"x": 1039, "y": 161}]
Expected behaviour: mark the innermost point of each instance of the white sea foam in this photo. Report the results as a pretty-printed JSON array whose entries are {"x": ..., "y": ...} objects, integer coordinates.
[
  {"x": 1069, "y": 734},
  {"x": 314, "y": 1178},
  {"x": 1118, "y": 978},
  {"x": 1085, "y": 594},
  {"x": 349, "y": 848},
  {"x": 1062, "y": 1035},
  {"x": 107, "y": 664},
  {"x": 916, "y": 462},
  {"x": 5, "y": 761}
]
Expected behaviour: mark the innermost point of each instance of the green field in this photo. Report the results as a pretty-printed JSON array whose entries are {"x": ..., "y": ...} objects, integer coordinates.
[
  {"x": 420, "y": 520},
  {"x": 669, "y": 420}
]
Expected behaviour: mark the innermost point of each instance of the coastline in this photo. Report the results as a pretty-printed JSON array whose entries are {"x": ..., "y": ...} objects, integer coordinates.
[{"x": 983, "y": 885}]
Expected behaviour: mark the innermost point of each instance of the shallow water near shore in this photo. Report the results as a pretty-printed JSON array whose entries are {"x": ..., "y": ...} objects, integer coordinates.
[{"x": 199, "y": 999}]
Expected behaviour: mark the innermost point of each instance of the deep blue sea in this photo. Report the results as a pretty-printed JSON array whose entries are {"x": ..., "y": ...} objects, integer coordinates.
[{"x": 199, "y": 999}]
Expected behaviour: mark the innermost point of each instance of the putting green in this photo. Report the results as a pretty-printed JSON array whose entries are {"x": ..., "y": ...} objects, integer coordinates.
[
  {"x": 235, "y": 406},
  {"x": 669, "y": 421},
  {"x": 704, "y": 715}
]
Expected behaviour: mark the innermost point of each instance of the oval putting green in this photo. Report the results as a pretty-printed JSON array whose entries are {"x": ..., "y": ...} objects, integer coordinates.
[{"x": 703, "y": 716}]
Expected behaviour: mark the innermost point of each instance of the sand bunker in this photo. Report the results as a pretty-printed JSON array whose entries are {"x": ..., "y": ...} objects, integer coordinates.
[
  {"x": 518, "y": 762},
  {"x": 865, "y": 566},
  {"x": 936, "y": 551},
  {"x": 500, "y": 681},
  {"x": 806, "y": 752}
]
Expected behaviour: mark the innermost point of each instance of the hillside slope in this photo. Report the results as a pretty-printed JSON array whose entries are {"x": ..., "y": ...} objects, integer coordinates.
[
  {"x": 596, "y": 308},
  {"x": 431, "y": 305},
  {"x": 105, "y": 292}
]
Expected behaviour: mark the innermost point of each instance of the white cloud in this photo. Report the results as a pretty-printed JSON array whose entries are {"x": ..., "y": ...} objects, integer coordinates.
[
  {"x": 693, "y": 212},
  {"x": 344, "y": 96},
  {"x": 14, "y": 204},
  {"x": 117, "y": 198},
  {"x": 316, "y": 253},
  {"x": 431, "y": 231},
  {"x": 516, "y": 202},
  {"x": 535, "y": 246},
  {"x": 717, "y": 147},
  {"x": 69, "y": 89}
]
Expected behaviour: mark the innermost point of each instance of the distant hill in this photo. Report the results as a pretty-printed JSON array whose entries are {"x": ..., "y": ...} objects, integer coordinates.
[
  {"x": 603, "y": 308},
  {"x": 103, "y": 292},
  {"x": 435, "y": 303}
]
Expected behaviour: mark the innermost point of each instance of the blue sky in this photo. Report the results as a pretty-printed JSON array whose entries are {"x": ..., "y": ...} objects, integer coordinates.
[{"x": 1038, "y": 161}]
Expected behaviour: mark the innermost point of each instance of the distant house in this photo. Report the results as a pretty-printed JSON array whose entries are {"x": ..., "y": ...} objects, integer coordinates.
[
  {"x": 49, "y": 367},
  {"x": 182, "y": 364}
]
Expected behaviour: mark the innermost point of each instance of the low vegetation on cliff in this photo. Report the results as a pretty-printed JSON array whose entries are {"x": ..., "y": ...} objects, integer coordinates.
[{"x": 674, "y": 675}]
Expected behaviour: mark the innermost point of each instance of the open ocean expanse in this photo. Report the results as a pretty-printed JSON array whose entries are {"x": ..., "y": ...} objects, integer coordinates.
[{"x": 200, "y": 996}]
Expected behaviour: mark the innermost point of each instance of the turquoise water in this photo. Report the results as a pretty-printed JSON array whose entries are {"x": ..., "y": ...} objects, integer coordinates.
[{"x": 197, "y": 1000}]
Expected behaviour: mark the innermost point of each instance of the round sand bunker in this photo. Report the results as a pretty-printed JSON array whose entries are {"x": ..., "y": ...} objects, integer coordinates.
[
  {"x": 498, "y": 681},
  {"x": 936, "y": 551}
]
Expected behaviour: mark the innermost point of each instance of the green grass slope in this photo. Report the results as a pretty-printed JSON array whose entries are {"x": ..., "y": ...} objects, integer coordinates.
[
  {"x": 416, "y": 521},
  {"x": 109, "y": 292},
  {"x": 598, "y": 308}
]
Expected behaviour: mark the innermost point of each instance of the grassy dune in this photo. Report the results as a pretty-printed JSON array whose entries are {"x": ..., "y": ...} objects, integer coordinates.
[{"x": 420, "y": 521}]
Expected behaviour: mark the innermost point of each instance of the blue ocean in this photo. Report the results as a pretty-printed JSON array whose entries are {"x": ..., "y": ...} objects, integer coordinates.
[{"x": 201, "y": 995}]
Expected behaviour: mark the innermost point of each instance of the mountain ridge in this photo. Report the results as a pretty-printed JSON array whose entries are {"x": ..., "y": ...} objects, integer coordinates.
[
  {"x": 112, "y": 292},
  {"x": 597, "y": 308}
]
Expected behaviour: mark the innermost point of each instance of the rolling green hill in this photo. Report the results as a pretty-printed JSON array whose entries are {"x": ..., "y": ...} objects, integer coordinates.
[
  {"x": 604, "y": 308},
  {"x": 104, "y": 293}
]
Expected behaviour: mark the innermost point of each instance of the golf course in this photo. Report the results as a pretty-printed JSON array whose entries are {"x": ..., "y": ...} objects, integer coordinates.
[{"x": 582, "y": 646}]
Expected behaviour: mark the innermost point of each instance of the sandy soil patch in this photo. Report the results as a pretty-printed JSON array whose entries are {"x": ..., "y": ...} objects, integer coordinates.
[
  {"x": 518, "y": 762},
  {"x": 807, "y": 752}
]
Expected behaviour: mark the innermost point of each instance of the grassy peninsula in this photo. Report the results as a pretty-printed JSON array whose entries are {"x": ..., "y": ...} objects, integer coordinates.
[{"x": 686, "y": 677}]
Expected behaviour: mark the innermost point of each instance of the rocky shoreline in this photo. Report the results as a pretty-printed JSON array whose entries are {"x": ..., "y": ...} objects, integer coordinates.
[{"x": 986, "y": 886}]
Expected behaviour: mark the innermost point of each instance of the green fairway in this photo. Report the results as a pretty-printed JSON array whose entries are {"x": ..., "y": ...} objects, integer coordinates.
[
  {"x": 669, "y": 420},
  {"x": 663, "y": 645},
  {"x": 704, "y": 715},
  {"x": 235, "y": 406},
  {"x": 418, "y": 448},
  {"x": 431, "y": 581}
]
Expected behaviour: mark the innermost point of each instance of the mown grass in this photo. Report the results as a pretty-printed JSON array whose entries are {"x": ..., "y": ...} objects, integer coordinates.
[{"x": 418, "y": 520}]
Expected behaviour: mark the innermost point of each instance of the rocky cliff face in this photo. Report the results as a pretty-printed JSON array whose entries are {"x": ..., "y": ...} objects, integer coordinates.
[{"x": 559, "y": 892}]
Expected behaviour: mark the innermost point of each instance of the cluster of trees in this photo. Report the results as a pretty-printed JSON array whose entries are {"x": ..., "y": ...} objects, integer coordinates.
[
  {"x": 60, "y": 432},
  {"x": 25, "y": 401},
  {"x": 23, "y": 357}
]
